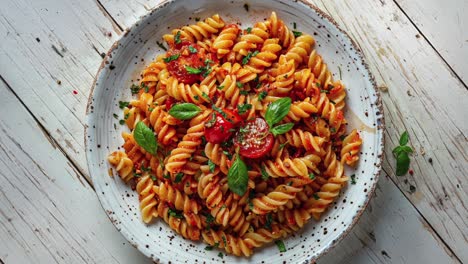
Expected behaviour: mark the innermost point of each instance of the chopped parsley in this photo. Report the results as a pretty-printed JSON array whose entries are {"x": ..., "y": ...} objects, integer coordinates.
[
  {"x": 171, "y": 58},
  {"x": 265, "y": 175},
  {"x": 242, "y": 108},
  {"x": 239, "y": 84},
  {"x": 262, "y": 95},
  {"x": 297, "y": 33},
  {"x": 249, "y": 55},
  {"x": 211, "y": 165},
  {"x": 353, "y": 179},
  {"x": 280, "y": 245},
  {"x": 123, "y": 104},
  {"x": 244, "y": 92},
  {"x": 121, "y": 121},
  {"x": 115, "y": 116},
  {"x": 178, "y": 177},
  {"x": 210, "y": 247},
  {"x": 220, "y": 87},
  {"x": 177, "y": 38},
  {"x": 175, "y": 213},
  {"x": 268, "y": 221},
  {"x": 249, "y": 29},
  {"x": 192, "y": 49},
  {"x": 312, "y": 176},
  {"x": 134, "y": 89},
  {"x": 192, "y": 70},
  {"x": 316, "y": 197}
]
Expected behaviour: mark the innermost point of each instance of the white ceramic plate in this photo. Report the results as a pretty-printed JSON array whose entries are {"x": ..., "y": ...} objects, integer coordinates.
[{"x": 137, "y": 48}]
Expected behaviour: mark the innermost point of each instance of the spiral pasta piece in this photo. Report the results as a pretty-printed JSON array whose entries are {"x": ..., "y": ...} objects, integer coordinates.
[
  {"x": 199, "y": 31},
  {"x": 320, "y": 69},
  {"x": 149, "y": 76},
  {"x": 305, "y": 82},
  {"x": 166, "y": 133},
  {"x": 215, "y": 153},
  {"x": 233, "y": 245},
  {"x": 225, "y": 40},
  {"x": 301, "y": 48},
  {"x": 243, "y": 75},
  {"x": 337, "y": 95},
  {"x": 285, "y": 78},
  {"x": 297, "y": 167},
  {"x": 185, "y": 92},
  {"x": 351, "y": 145},
  {"x": 300, "y": 138},
  {"x": 123, "y": 165},
  {"x": 231, "y": 90},
  {"x": 281, "y": 31},
  {"x": 177, "y": 224},
  {"x": 280, "y": 196},
  {"x": 301, "y": 110},
  {"x": 250, "y": 41},
  {"x": 265, "y": 57},
  {"x": 147, "y": 199}
]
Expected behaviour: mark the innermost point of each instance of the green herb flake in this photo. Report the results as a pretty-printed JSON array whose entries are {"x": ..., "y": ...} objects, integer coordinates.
[
  {"x": 281, "y": 146},
  {"x": 177, "y": 39},
  {"x": 220, "y": 254},
  {"x": 316, "y": 197},
  {"x": 175, "y": 213},
  {"x": 249, "y": 29},
  {"x": 268, "y": 221},
  {"x": 220, "y": 87},
  {"x": 171, "y": 58},
  {"x": 192, "y": 49},
  {"x": 126, "y": 116},
  {"x": 210, "y": 247},
  {"x": 191, "y": 70},
  {"x": 115, "y": 116},
  {"x": 249, "y": 55},
  {"x": 312, "y": 176},
  {"x": 243, "y": 108},
  {"x": 262, "y": 95},
  {"x": 324, "y": 91},
  {"x": 122, "y": 122},
  {"x": 153, "y": 178},
  {"x": 265, "y": 175},
  {"x": 123, "y": 104},
  {"x": 244, "y": 92},
  {"x": 297, "y": 33},
  {"x": 211, "y": 165},
  {"x": 206, "y": 97},
  {"x": 280, "y": 245},
  {"x": 333, "y": 130},
  {"x": 145, "y": 138},
  {"x": 134, "y": 89},
  {"x": 178, "y": 177}
]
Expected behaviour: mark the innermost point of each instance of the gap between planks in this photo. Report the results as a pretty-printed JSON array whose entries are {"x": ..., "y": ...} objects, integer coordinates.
[
  {"x": 80, "y": 174},
  {"x": 455, "y": 74}
]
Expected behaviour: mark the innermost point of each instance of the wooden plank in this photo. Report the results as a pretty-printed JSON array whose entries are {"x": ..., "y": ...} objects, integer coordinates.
[
  {"x": 443, "y": 23},
  {"x": 50, "y": 53},
  {"x": 413, "y": 74},
  {"x": 48, "y": 212},
  {"x": 390, "y": 231}
]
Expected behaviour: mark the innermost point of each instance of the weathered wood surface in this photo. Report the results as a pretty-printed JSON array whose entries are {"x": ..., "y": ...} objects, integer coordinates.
[
  {"x": 50, "y": 42},
  {"x": 443, "y": 23},
  {"x": 48, "y": 212}
]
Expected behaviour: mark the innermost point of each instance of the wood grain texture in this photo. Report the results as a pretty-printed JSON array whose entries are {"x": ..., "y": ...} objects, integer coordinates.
[
  {"x": 50, "y": 53},
  {"x": 48, "y": 212},
  {"x": 423, "y": 98},
  {"x": 443, "y": 23}
]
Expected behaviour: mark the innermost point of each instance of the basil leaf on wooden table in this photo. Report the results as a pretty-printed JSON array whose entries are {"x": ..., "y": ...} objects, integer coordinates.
[
  {"x": 277, "y": 110},
  {"x": 281, "y": 129},
  {"x": 403, "y": 162},
  {"x": 401, "y": 154},
  {"x": 238, "y": 177},
  {"x": 145, "y": 137},
  {"x": 404, "y": 138},
  {"x": 184, "y": 111}
]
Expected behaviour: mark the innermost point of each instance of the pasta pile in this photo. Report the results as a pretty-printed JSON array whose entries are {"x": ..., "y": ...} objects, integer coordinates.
[{"x": 210, "y": 185}]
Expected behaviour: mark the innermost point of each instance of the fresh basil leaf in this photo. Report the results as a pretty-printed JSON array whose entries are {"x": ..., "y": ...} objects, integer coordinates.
[
  {"x": 171, "y": 58},
  {"x": 144, "y": 137},
  {"x": 396, "y": 151},
  {"x": 281, "y": 129},
  {"x": 184, "y": 111},
  {"x": 277, "y": 110},
  {"x": 403, "y": 162},
  {"x": 404, "y": 138},
  {"x": 211, "y": 165},
  {"x": 280, "y": 245},
  {"x": 238, "y": 177},
  {"x": 192, "y": 70}
]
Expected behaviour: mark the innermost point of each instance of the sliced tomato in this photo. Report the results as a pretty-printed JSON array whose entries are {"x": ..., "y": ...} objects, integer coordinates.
[
  {"x": 220, "y": 128},
  {"x": 254, "y": 139}
]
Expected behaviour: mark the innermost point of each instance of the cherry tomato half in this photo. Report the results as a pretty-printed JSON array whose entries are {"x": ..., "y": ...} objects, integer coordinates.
[
  {"x": 219, "y": 129},
  {"x": 254, "y": 139}
]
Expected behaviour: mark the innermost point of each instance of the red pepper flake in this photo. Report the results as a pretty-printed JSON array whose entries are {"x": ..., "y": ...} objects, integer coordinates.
[
  {"x": 75, "y": 92},
  {"x": 411, "y": 172}
]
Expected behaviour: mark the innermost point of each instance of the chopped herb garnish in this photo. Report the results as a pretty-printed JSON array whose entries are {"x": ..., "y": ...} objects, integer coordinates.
[
  {"x": 197, "y": 97},
  {"x": 220, "y": 87},
  {"x": 229, "y": 156},
  {"x": 312, "y": 176},
  {"x": 265, "y": 175},
  {"x": 192, "y": 70},
  {"x": 324, "y": 91},
  {"x": 222, "y": 113},
  {"x": 134, "y": 89},
  {"x": 115, "y": 116},
  {"x": 297, "y": 33},
  {"x": 171, "y": 58},
  {"x": 262, "y": 95},
  {"x": 177, "y": 38},
  {"x": 249, "y": 29},
  {"x": 281, "y": 246},
  {"x": 145, "y": 87},
  {"x": 239, "y": 84},
  {"x": 242, "y": 108},
  {"x": 192, "y": 49},
  {"x": 153, "y": 178},
  {"x": 178, "y": 177},
  {"x": 316, "y": 197},
  {"x": 166, "y": 176},
  {"x": 212, "y": 166},
  {"x": 123, "y": 104},
  {"x": 249, "y": 55},
  {"x": 175, "y": 213},
  {"x": 161, "y": 45},
  {"x": 210, "y": 247},
  {"x": 126, "y": 116},
  {"x": 353, "y": 179},
  {"x": 121, "y": 121},
  {"x": 206, "y": 97},
  {"x": 244, "y": 92},
  {"x": 333, "y": 130},
  {"x": 224, "y": 240},
  {"x": 220, "y": 254}
]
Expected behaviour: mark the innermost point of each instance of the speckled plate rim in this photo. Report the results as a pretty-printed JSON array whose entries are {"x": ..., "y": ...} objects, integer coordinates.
[{"x": 379, "y": 118}]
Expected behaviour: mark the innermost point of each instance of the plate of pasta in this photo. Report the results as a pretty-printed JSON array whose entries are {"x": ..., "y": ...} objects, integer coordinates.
[{"x": 227, "y": 131}]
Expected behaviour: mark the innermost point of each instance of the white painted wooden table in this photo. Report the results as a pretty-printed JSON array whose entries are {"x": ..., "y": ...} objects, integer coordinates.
[{"x": 51, "y": 49}]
